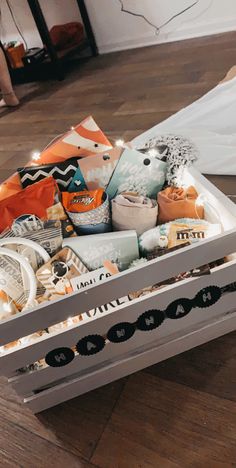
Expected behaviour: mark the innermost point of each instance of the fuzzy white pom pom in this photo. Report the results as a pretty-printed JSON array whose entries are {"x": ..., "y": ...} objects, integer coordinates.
[{"x": 149, "y": 240}]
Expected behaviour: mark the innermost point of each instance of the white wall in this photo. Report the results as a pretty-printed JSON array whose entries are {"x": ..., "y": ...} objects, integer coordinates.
[{"x": 115, "y": 30}]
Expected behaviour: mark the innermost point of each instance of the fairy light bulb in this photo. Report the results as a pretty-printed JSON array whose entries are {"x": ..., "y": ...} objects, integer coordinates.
[
  {"x": 120, "y": 143},
  {"x": 36, "y": 155},
  {"x": 69, "y": 322},
  {"x": 7, "y": 307},
  {"x": 201, "y": 200},
  {"x": 153, "y": 152},
  {"x": 72, "y": 128}
]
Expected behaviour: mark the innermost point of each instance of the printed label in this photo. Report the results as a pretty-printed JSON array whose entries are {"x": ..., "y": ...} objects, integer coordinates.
[{"x": 91, "y": 278}]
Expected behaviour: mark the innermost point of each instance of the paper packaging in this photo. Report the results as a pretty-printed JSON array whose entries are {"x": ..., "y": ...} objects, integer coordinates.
[
  {"x": 91, "y": 278},
  {"x": 175, "y": 203},
  {"x": 56, "y": 274},
  {"x": 131, "y": 211},
  {"x": 119, "y": 247},
  {"x": 48, "y": 234},
  {"x": 7, "y": 306},
  {"x": 11, "y": 280},
  {"x": 201, "y": 271},
  {"x": 83, "y": 140},
  {"x": 180, "y": 233},
  {"x": 95, "y": 171},
  {"x": 139, "y": 173}
]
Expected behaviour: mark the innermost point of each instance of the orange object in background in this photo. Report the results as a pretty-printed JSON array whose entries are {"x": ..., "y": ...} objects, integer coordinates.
[
  {"x": 15, "y": 55},
  {"x": 65, "y": 36}
]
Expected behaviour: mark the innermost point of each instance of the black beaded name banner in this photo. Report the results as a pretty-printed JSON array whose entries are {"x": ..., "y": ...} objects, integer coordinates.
[{"x": 146, "y": 322}]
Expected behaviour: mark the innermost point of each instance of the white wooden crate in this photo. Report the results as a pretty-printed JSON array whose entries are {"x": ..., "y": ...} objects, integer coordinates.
[{"x": 49, "y": 386}]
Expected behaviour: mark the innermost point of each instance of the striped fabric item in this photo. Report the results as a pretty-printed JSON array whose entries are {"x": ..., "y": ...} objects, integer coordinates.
[
  {"x": 86, "y": 139},
  {"x": 63, "y": 173}
]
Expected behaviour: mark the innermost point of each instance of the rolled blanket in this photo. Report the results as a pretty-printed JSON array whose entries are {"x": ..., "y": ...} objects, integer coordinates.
[{"x": 133, "y": 211}]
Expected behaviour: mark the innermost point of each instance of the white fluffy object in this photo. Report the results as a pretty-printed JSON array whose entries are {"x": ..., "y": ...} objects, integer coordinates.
[
  {"x": 177, "y": 151},
  {"x": 149, "y": 240}
]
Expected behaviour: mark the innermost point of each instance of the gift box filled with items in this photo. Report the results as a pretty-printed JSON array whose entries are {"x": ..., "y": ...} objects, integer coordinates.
[{"x": 111, "y": 260}]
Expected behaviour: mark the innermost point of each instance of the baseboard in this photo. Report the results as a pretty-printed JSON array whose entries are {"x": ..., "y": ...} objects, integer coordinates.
[{"x": 185, "y": 31}]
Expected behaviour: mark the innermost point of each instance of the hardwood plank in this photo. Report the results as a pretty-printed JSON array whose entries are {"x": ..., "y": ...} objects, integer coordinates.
[
  {"x": 26, "y": 450},
  {"x": 75, "y": 426},
  {"x": 226, "y": 184},
  {"x": 180, "y": 412},
  {"x": 208, "y": 368},
  {"x": 163, "y": 423}
]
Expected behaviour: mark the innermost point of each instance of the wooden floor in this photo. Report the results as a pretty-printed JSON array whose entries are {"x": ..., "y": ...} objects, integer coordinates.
[{"x": 182, "y": 412}]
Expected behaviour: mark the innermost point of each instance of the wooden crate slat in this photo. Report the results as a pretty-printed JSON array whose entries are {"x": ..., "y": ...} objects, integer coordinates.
[
  {"x": 118, "y": 286},
  {"x": 129, "y": 365},
  {"x": 127, "y": 312},
  {"x": 170, "y": 330}
]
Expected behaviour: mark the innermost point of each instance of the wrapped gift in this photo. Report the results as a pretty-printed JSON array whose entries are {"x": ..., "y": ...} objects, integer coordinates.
[
  {"x": 139, "y": 173},
  {"x": 175, "y": 203},
  {"x": 132, "y": 211},
  {"x": 118, "y": 247},
  {"x": 95, "y": 171}
]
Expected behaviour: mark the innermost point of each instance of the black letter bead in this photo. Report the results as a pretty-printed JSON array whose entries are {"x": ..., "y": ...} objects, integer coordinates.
[
  {"x": 121, "y": 332},
  {"x": 207, "y": 297},
  {"x": 150, "y": 320},
  {"x": 90, "y": 344},
  {"x": 179, "y": 308},
  {"x": 59, "y": 357}
]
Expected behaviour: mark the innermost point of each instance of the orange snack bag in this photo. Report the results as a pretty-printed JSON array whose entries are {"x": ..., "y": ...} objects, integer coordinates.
[
  {"x": 81, "y": 202},
  {"x": 35, "y": 199}
]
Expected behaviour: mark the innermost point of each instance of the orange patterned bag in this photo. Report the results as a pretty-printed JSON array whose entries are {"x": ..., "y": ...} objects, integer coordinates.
[{"x": 86, "y": 139}]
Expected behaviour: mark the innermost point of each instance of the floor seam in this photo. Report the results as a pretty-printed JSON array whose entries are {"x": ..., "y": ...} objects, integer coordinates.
[{"x": 108, "y": 420}]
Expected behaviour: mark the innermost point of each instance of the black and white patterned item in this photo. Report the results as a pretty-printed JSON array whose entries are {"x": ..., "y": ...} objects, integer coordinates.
[
  {"x": 62, "y": 172},
  {"x": 177, "y": 151}
]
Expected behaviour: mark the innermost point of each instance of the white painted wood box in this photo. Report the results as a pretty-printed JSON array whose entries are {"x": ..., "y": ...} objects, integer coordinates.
[{"x": 124, "y": 340}]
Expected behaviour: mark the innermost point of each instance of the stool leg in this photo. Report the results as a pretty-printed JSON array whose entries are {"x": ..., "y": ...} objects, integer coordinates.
[{"x": 88, "y": 27}]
